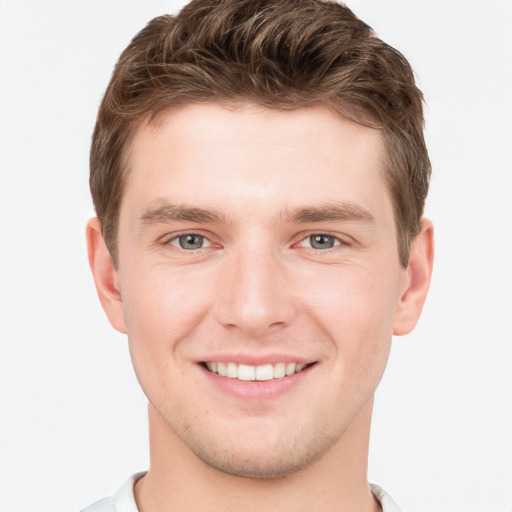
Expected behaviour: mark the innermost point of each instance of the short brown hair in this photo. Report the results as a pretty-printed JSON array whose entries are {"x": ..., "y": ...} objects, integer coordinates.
[{"x": 279, "y": 54}]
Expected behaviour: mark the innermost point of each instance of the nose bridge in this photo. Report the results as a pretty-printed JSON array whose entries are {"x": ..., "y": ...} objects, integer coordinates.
[{"x": 255, "y": 297}]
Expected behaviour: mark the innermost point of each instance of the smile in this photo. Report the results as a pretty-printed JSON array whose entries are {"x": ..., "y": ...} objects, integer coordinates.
[{"x": 255, "y": 373}]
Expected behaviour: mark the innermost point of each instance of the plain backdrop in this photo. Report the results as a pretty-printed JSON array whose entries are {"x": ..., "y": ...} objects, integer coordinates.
[{"x": 73, "y": 421}]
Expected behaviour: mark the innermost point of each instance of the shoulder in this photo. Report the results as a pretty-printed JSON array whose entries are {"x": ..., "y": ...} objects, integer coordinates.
[{"x": 122, "y": 501}]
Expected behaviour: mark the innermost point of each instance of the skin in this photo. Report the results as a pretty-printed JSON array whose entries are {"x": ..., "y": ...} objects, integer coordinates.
[{"x": 258, "y": 184}]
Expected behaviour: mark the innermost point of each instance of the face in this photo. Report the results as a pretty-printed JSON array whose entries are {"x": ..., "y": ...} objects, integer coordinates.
[{"x": 259, "y": 280}]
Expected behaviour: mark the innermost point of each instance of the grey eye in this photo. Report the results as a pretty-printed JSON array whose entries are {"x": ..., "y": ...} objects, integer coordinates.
[
  {"x": 322, "y": 241},
  {"x": 190, "y": 242}
]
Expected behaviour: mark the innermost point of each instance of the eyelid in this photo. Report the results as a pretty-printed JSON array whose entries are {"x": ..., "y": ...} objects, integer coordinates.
[
  {"x": 341, "y": 240},
  {"x": 167, "y": 239},
  {"x": 206, "y": 242}
]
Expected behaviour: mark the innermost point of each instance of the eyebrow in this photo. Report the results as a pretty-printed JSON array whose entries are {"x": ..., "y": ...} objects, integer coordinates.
[
  {"x": 166, "y": 212},
  {"x": 335, "y": 211}
]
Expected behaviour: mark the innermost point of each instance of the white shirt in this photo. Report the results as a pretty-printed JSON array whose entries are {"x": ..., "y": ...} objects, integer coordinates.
[{"x": 124, "y": 499}]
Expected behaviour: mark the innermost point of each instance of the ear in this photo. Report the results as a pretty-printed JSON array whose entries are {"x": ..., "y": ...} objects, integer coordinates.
[
  {"x": 105, "y": 275},
  {"x": 416, "y": 280}
]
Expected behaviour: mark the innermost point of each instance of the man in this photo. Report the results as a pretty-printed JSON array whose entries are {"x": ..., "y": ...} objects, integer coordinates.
[{"x": 259, "y": 174}]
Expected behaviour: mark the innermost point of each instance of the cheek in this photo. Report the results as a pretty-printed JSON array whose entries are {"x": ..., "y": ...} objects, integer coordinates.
[
  {"x": 357, "y": 316},
  {"x": 356, "y": 307},
  {"x": 161, "y": 308}
]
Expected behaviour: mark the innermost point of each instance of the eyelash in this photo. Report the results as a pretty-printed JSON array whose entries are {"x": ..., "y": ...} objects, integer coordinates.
[
  {"x": 176, "y": 238},
  {"x": 337, "y": 241}
]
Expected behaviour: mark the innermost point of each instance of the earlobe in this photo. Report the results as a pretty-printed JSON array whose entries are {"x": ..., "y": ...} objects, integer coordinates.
[
  {"x": 416, "y": 280},
  {"x": 105, "y": 275}
]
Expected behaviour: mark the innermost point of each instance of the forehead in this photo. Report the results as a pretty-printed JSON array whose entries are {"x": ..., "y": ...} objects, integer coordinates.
[{"x": 206, "y": 154}]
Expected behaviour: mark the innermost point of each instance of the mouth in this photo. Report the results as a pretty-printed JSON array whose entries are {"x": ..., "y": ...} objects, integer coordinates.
[{"x": 262, "y": 372}]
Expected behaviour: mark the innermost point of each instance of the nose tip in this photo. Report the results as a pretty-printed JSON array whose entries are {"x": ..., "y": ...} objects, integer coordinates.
[{"x": 255, "y": 298}]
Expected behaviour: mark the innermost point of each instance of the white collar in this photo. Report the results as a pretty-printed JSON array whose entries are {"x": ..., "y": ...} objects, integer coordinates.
[{"x": 124, "y": 499}]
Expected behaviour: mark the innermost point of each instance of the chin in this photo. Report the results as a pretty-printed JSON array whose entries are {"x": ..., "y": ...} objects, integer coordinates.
[
  {"x": 262, "y": 458},
  {"x": 258, "y": 467}
]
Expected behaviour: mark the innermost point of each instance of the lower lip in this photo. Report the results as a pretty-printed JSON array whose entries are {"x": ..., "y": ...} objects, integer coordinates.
[{"x": 256, "y": 390}]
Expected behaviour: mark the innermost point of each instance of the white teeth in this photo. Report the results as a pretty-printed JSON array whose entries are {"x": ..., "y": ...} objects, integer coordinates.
[
  {"x": 248, "y": 372},
  {"x": 264, "y": 372},
  {"x": 290, "y": 368},
  {"x": 279, "y": 370},
  {"x": 231, "y": 371},
  {"x": 221, "y": 369}
]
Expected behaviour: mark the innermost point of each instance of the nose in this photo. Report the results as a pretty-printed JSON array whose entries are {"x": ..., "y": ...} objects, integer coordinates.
[{"x": 256, "y": 296}]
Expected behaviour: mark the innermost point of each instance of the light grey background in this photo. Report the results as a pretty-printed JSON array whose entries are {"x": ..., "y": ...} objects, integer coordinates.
[{"x": 72, "y": 419}]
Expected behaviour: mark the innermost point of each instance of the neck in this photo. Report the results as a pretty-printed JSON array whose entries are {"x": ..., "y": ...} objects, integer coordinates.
[{"x": 336, "y": 482}]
